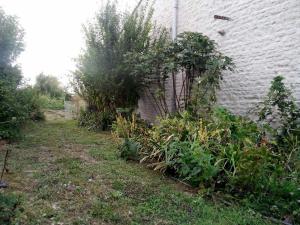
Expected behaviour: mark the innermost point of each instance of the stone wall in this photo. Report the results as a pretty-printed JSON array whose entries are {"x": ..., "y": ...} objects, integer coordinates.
[{"x": 262, "y": 37}]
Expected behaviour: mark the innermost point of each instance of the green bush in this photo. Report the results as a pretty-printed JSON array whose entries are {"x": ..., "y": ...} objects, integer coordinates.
[
  {"x": 190, "y": 162},
  {"x": 102, "y": 76},
  {"x": 49, "y": 85},
  {"x": 48, "y": 102},
  {"x": 225, "y": 153},
  {"x": 129, "y": 149},
  {"x": 17, "y": 103},
  {"x": 8, "y": 208},
  {"x": 95, "y": 120},
  {"x": 24, "y": 105},
  {"x": 31, "y": 102}
]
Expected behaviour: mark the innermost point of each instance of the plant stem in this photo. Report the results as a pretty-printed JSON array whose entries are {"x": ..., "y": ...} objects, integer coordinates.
[{"x": 4, "y": 164}]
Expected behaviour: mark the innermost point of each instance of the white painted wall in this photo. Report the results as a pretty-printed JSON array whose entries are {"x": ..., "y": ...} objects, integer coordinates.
[{"x": 263, "y": 38}]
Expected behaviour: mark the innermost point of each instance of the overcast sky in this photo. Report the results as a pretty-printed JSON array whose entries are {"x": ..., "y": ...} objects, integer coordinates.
[{"x": 53, "y": 32}]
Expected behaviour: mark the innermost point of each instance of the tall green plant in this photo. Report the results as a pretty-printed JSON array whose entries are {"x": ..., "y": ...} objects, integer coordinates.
[
  {"x": 279, "y": 106},
  {"x": 102, "y": 76},
  {"x": 11, "y": 45},
  {"x": 192, "y": 54},
  {"x": 198, "y": 57},
  {"x": 16, "y": 104},
  {"x": 152, "y": 68},
  {"x": 48, "y": 85}
]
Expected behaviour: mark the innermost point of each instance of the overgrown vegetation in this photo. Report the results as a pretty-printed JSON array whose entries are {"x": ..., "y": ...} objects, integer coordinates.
[
  {"x": 50, "y": 91},
  {"x": 233, "y": 158},
  {"x": 49, "y": 86},
  {"x": 102, "y": 77},
  {"x": 48, "y": 102},
  {"x": 222, "y": 152},
  {"x": 8, "y": 208},
  {"x": 18, "y": 102},
  {"x": 193, "y": 55},
  {"x": 69, "y": 175},
  {"x": 255, "y": 162},
  {"x": 128, "y": 55}
]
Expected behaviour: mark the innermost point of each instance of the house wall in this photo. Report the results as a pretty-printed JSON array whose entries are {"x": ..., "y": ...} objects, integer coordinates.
[{"x": 263, "y": 38}]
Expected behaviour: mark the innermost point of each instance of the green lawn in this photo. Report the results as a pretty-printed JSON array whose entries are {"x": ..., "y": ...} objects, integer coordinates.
[{"x": 68, "y": 175}]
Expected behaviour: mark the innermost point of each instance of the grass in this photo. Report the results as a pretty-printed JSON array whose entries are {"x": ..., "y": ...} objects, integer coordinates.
[
  {"x": 68, "y": 175},
  {"x": 52, "y": 103}
]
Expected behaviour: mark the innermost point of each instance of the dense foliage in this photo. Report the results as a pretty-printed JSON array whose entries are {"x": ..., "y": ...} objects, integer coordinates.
[
  {"x": 279, "y": 110},
  {"x": 192, "y": 54},
  {"x": 126, "y": 57},
  {"x": 48, "y": 85},
  {"x": 17, "y": 104},
  {"x": 8, "y": 208},
  {"x": 224, "y": 153},
  {"x": 50, "y": 92},
  {"x": 195, "y": 141},
  {"x": 101, "y": 76},
  {"x": 48, "y": 102}
]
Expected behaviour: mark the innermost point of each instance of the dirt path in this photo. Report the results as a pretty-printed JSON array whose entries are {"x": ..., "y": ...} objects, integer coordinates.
[
  {"x": 57, "y": 115},
  {"x": 68, "y": 175}
]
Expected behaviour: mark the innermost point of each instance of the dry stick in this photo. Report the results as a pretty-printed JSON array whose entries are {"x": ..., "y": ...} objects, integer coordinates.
[
  {"x": 187, "y": 89},
  {"x": 164, "y": 105},
  {"x": 174, "y": 90},
  {"x": 277, "y": 221},
  {"x": 164, "y": 98},
  {"x": 207, "y": 87},
  {"x": 156, "y": 103},
  {"x": 191, "y": 82},
  {"x": 182, "y": 87},
  {"x": 4, "y": 164},
  {"x": 182, "y": 182},
  {"x": 159, "y": 100}
]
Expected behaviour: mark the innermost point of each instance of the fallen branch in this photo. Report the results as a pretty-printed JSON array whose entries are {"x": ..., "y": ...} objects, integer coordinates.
[
  {"x": 2, "y": 183},
  {"x": 277, "y": 221}
]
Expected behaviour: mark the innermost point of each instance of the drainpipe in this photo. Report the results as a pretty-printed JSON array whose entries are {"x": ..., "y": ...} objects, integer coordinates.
[
  {"x": 175, "y": 20},
  {"x": 174, "y": 35}
]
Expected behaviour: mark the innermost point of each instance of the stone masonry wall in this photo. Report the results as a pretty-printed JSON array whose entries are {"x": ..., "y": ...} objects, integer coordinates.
[{"x": 263, "y": 38}]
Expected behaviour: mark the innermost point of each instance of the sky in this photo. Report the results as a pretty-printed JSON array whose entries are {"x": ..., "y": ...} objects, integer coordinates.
[{"x": 53, "y": 33}]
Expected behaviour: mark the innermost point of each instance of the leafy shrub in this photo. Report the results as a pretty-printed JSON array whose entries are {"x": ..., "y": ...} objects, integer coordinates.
[
  {"x": 48, "y": 102},
  {"x": 97, "y": 121},
  {"x": 224, "y": 153},
  {"x": 31, "y": 102},
  {"x": 102, "y": 75},
  {"x": 129, "y": 149},
  {"x": 191, "y": 162},
  {"x": 49, "y": 86},
  {"x": 127, "y": 127},
  {"x": 8, "y": 207},
  {"x": 123, "y": 127},
  {"x": 24, "y": 105},
  {"x": 280, "y": 110},
  {"x": 17, "y": 104}
]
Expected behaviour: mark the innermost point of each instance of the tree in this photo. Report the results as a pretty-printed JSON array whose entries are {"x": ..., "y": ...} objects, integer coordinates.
[
  {"x": 16, "y": 104},
  {"x": 11, "y": 42},
  {"x": 192, "y": 54},
  {"x": 102, "y": 76},
  {"x": 11, "y": 45},
  {"x": 48, "y": 85}
]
